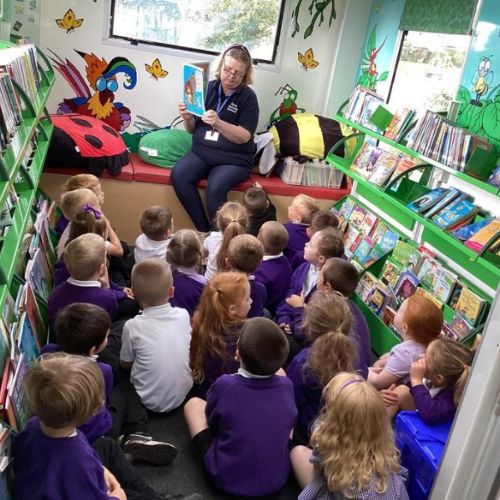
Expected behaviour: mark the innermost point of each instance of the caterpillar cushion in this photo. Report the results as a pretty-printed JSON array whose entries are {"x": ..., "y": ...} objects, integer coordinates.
[
  {"x": 164, "y": 147},
  {"x": 80, "y": 141}
]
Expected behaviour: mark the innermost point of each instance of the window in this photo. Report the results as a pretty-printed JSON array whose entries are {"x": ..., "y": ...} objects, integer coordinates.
[
  {"x": 206, "y": 26},
  {"x": 428, "y": 70}
]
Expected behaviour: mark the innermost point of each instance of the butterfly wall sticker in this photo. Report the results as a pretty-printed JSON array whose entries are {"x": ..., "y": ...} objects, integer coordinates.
[
  {"x": 155, "y": 69},
  {"x": 69, "y": 22},
  {"x": 307, "y": 59}
]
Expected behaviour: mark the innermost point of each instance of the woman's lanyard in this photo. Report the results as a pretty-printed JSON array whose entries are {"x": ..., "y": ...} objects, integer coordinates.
[{"x": 221, "y": 104}]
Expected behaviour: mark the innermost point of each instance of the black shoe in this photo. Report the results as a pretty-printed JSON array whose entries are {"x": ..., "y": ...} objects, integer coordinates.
[{"x": 148, "y": 450}]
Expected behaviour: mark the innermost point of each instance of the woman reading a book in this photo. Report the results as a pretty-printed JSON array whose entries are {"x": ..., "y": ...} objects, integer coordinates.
[{"x": 223, "y": 147}]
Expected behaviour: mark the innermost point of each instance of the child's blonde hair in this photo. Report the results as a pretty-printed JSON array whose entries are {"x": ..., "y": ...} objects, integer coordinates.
[
  {"x": 64, "y": 389},
  {"x": 245, "y": 253},
  {"x": 155, "y": 222},
  {"x": 354, "y": 437},
  {"x": 151, "y": 282},
  {"x": 89, "y": 220},
  {"x": 185, "y": 249},
  {"x": 307, "y": 206},
  {"x": 73, "y": 202},
  {"x": 452, "y": 362},
  {"x": 78, "y": 181},
  {"x": 423, "y": 318},
  {"x": 327, "y": 322},
  {"x": 84, "y": 256},
  {"x": 273, "y": 236},
  {"x": 212, "y": 320},
  {"x": 232, "y": 220}
]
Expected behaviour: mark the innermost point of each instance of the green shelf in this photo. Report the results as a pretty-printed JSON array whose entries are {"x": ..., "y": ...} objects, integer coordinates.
[{"x": 410, "y": 152}]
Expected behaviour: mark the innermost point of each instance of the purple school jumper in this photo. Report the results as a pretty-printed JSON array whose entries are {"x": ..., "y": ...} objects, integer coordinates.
[
  {"x": 297, "y": 239},
  {"x": 101, "y": 423},
  {"x": 188, "y": 286},
  {"x": 307, "y": 391},
  {"x": 68, "y": 293},
  {"x": 287, "y": 314},
  {"x": 434, "y": 410},
  {"x": 61, "y": 468},
  {"x": 361, "y": 335},
  {"x": 258, "y": 293},
  {"x": 275, "y": 275},
  {"x": 61, "y": 274},
  {"x": 251, "y": 419},
  {"x": 297, "y": 260}
]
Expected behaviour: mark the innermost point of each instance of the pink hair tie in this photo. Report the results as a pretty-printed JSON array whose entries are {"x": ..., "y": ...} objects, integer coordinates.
[{"x": 90, "y": 209}]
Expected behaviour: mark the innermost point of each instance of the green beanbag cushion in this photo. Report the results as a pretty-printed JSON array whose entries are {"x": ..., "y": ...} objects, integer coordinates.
[{"x": 164, "y": 147}]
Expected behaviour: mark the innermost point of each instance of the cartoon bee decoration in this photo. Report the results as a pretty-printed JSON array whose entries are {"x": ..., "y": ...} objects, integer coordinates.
[
  {"x": 69, "y": 22},
  {"x": 481, "y": 80},
  {"x": 307, "y": 59},
  {"x": 288, "y": 106},
  {"x": 155, "y": 69}
]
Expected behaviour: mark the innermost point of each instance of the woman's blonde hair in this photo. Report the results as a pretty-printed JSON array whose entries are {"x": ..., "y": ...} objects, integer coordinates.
[
  {"x": 87, "y": 181},
  {"x": 64, "y": 389},
  {"x": 185, "y": 249},
  {"x": 240, "y": 53},
  {"x": 232, "y": 220},
  {"x": 327, "y": 322},
  {"x": 212, "y": 321},
  {"x": 452, "y": 361},
  {"x": 353, "y": 436}
]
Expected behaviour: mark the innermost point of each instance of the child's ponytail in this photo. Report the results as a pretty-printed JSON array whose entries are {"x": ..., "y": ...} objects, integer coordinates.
[
  {"x": 330, "y": 354},
  {"x": 460, "y": 385}
]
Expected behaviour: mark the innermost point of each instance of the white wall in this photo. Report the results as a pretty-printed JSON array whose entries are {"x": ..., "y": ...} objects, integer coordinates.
[{"x": 157, "y": 100}]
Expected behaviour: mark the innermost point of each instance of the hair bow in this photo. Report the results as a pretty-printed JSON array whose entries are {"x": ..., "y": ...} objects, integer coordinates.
[{"x": 90, "y": 209}]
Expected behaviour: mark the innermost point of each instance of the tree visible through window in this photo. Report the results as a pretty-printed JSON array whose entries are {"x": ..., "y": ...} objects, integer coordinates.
[{"x": 200, "y": 25}]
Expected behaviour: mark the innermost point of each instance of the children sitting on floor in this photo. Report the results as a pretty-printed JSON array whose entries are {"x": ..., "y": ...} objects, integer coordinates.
[
  {"x": 157, "y": 226},
  {"x": 341, "y": 276},
  {"x": 419, "y": 321},
  {"x": 155, "y": 344},
  {"x": 185, "y": 254},
  {"x": 327, "y": 324},
  {"x": 322, "y": 219},
  {"x": 354, "y": 454},
  {"x": 323, "y": 245},
  {"x": 224, "y": 306},
  {"x": 85, "y": 259},
  {"x": 52, "y": 458},
  {"x": 242, "y": 430},
  {"x": 437, "y": 381},
  {"x": 300, "y": 214},
  {"x": 259, "y": 207},
  {"x": 274, "y": 272},
  {"x": 231, "y": 220},
  {"x": 244, "y": 254}
]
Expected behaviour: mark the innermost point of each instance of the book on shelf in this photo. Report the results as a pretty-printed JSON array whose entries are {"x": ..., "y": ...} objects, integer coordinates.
[
  {"x": 428, "y": 295},
  {"x": 470, "y": 306},
  {"x": 406, "y": 285},
  {"x": 428, "y": 200},
  {"x": 365, "y": 285},
  {"x": 377, "y": 299},
  {"x": 455, "y": 214},
  {"x": 444, "y": 284},
  {"x": 391, "y": 271},
  {"x": 32, "y": 309},
  {"x": 16, "y": 404},
  {"x": 361, "y": 105},
  {"x": 363, "y": 249},
  {"x": 368, "y": 223},
  {"x": 352, "y": 238},
  {"x": 486, "y": 236},
  {"x": 460, "y": 326},
  {"x": 452, "y": 195},
  {"x": 402, "y": 252},
  {"x": 347, "y": 208},
  {"x": 466, "y": 232},
  {"x": 385, "y": 165},
  {"x": 400, "y": 120},
  {"x": 357, "y": 216},
  {"x": 379, "y": 230},
  {"x": 404, "y": 164},
  {"x": 388, "y": 240},
  {"x": 39, "y": 274}
]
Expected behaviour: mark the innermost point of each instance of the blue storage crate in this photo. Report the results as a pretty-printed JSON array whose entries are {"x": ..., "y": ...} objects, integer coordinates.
[{"x": 421, "y": 448}]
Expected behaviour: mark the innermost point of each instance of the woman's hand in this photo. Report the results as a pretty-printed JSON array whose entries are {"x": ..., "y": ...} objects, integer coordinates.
[
  {"x": 210, "y": 118},
  {"x": 187, "y": 117}
]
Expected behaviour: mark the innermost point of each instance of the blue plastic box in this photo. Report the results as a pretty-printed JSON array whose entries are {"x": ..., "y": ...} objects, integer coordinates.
[{"x": 421, "y": 448}]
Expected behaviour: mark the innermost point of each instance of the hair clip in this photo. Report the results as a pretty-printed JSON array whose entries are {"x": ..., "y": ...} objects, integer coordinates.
[
  {"x": 90, "y": 209},
  {"x": 350, "y": 381},
  {"x": 238, "y": 46}
]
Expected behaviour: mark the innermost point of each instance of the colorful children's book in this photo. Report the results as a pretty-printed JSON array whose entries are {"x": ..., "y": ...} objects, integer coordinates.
[
  {"x": 388, "y": 316},
  {"x": 452, "y": 195},
  {"x": 362, "y": 159},
  {"x": 384, "y": 167},
  {"x": 365, "y": 285},
  {"x": 193, "y": 92},
  {"x": 466, "y": 232},
  {"x": 368, "y": 223},
  {"x": 364, "y": 248},
  {"x": 402, "y": 252},
  {"x": 429, "y": 272},
  {"x": 447, "y": 332},
  {"x": 399, "y": 121},
  {"x": 376, "y": 300},
  {"x": 391, "y": 272},
  {"x": 379, "y": 231},
  {"x": 455, "y": 295},
  {"x": 460, "y": 326},
  {"x": 351, "y": 237},
  {"x": 484, "y": 236},
  {"x": 444, "y": 284},
  {"x": 406, "y": 286},
  {"x": 428, "y": 200},
  {"x": 455, "y": 214},
  {"x": 357, "y": 215},
  {"x": 346, "y": 208},
  {"x": 375, "y": 255},
  {"x": 470, "y": 306},
  {"x": 403, "y": 165}
]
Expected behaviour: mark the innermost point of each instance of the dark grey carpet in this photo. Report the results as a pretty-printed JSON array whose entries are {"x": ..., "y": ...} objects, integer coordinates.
[{"x": 185, "y": 475}]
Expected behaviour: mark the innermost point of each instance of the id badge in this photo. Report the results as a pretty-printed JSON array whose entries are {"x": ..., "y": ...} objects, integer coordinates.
[{"x": 212, "y": 135}]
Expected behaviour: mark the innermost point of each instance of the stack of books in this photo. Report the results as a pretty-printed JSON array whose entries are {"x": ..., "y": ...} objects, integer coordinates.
[
  {"x": 399, "y": 123},
  {"x": 361, "y": 105},
  {"x": 439, "y": 139},
  {"x": 10, "y": 110}
]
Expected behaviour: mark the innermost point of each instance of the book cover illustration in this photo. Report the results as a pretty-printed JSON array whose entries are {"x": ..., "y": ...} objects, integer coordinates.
[
  {"x": 429, "y": 272},
  {"x": 375, "y": 255},
  {"x": 39, "y": 274},
  {"x": 406, "y": 286},
  {"x": 444, "y": 284},
  {"x": 403, "y": 165},
  {"x": 428, "y": 200},
  {"x": 16, "y": 398},
  {"x": 452, "y": 195},
  {"x": 391, "y": 272},
  {"x": 364, "y": 248},
  {"x": 365, "y": 285},
  {"x": 384, "y": 166},
  {"x": 363, "y": 157},
  {"x": 402, "y": 252},
  {"x": 459, "y": 326},
  {"x": 377, "y": 299},
  {"x": 388, "y": 316},
  {"x": 466, "y": 232},
  {"x": 484, "y": 236},
  {"x": 350, "y": 237},
  {"x": 379, "y": 231},
  {"x": 470, "y": 306},
  {"x": 193, "y": 92},
  {"x": 347, "y": 208},
  {"x": 455, "y": 213},
  {"x": 368, "y": 223},
  {"x": 455, "y": 295},
  {"x": 27, "y": 340},
  {"x": 357, "y": 215},
  {"x": 447, "y": 332},
  {"x": 388, "y": 240},
  {"x": 34, "y": 315}
]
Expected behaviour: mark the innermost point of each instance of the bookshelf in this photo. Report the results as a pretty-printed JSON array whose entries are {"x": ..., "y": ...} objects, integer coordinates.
[
  {"x": 392, "y": 204},
  {"x": 15, "y": 176}
]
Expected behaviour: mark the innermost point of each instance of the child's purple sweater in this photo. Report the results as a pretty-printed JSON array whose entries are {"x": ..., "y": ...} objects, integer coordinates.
[
  {"x": 275, "y": 274},
  {"x": 297, "y": 239}
]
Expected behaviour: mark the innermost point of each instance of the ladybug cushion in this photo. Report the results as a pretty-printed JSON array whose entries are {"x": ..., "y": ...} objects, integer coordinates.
[{"x": 81, "y": 141}]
